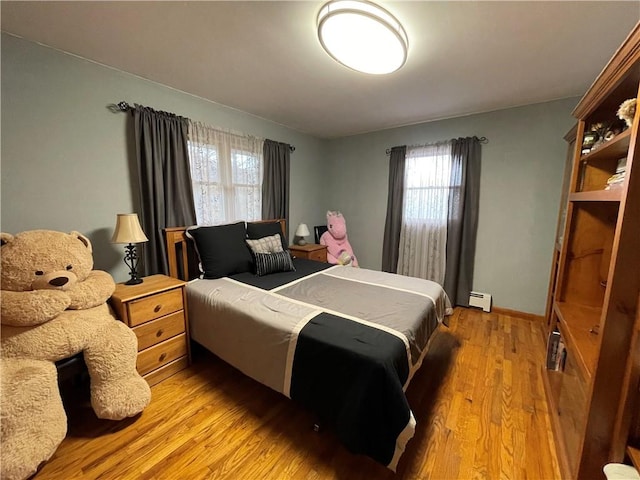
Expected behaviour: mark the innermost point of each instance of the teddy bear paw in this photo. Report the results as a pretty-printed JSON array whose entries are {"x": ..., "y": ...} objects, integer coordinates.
[{"x": 120, "y": 398}]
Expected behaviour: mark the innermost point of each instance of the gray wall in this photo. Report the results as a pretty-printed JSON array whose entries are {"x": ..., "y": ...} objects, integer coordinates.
[
  {"x": 67, "y": 160},
  {"x": 67, "y": 164},
  {"x": 522, "y": 167}
]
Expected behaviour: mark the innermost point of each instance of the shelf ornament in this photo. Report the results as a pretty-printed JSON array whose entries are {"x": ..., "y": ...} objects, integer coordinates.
[{"x": 627, "y": 111}]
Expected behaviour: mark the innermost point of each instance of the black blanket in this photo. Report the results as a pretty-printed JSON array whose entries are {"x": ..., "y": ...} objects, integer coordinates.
[{"x": 351, "y": 376}]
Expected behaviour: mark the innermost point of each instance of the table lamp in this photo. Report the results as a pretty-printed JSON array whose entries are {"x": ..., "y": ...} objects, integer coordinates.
[
  {"x": 302, "y": 232},
  {"x": 129, "y": 231}
]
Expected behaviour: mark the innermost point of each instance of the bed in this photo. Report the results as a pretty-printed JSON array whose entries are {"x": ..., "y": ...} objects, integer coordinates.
[{"x": 343, "y": 342}]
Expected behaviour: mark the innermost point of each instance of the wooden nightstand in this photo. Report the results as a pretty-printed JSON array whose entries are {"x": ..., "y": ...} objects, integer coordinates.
[
  {"x": 310, "y": 251},
  {"x": 156, "y": 311}
]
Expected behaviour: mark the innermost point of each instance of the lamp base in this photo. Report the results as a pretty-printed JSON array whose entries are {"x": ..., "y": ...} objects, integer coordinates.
[
  {"x": 302, "y": 242},
  {"x": 131, "y": 261}
]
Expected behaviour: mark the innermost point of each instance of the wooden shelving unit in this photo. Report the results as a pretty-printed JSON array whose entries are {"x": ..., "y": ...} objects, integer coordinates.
[
  {"x": 596, "y": 196},
  {"x": 578, "y": 323},
  {"x": 570, "y": 138},
  {"x": 634, "y": 455},
  {"x": 594, "y": 293},
  {"x": 616, "y": 147}
]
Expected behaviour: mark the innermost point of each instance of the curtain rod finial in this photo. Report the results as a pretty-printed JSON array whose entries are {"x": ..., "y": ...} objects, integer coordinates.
[
  {"x": 124, "y": 106},
  {"x": 119, "y": 107}
]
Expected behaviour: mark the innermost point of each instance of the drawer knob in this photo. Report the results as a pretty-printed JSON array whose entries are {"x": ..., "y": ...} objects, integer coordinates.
[
  {"x": 159, "y": 333},
  {"x": 158, "y": 308},
  {"x": 162, "y": 357}
]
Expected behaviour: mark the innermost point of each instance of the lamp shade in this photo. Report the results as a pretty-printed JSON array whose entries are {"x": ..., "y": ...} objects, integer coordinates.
[
  {"x": 302, "y": 230},
  {"x": 363, "y": 36},
  {"x": 128, "y": 229}
]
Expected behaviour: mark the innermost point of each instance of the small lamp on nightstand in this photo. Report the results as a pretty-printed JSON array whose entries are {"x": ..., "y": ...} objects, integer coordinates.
[
  {"x": 302, "y": 232},
  {"x": 128, "y": 230}
]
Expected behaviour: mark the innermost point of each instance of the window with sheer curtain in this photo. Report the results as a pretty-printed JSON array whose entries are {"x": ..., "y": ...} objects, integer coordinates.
[
  {"x": 226, "y": 171},
  {"x": 423, "y": 234}
]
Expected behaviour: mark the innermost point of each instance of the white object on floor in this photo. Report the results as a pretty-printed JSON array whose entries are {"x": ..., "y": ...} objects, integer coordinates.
[{"x": 620, "y": 471}]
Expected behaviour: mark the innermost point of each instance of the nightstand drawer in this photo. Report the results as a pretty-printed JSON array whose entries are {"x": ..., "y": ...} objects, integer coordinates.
[
  {"x": 159, "y": 330},
  {"x": 161, "y": 354},
  {"x": 159, "y": 374},
  {"x": 310, "y": 251},
  {"x": 318, "y": 255},
  {"x": 155, "y": 306}
]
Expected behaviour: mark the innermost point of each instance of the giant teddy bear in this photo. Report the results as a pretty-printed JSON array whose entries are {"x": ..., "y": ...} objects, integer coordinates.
[
  {"x": 54, "y": 306},
  {"x": 339, "y": 251}
]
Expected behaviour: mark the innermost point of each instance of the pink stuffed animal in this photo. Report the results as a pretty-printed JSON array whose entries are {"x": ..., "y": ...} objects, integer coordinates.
[{"x": 339, "y": 251}]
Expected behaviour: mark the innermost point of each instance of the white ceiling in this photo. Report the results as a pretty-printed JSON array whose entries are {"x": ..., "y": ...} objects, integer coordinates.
[{"x": 264, "y": 57}]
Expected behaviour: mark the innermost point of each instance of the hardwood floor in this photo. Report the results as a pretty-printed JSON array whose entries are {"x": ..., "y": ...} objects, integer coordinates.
[{"x": 478, "y": 400}]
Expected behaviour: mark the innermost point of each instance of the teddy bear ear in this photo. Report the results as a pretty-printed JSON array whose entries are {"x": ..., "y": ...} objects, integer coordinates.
[
  {"x": 5, "y": 238},
  {"x": 83, "y": 239}
]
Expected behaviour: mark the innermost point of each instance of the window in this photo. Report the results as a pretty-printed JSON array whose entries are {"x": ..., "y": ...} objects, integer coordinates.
[
  {"x": 226, "y": 171},
  {"x": 246, "y": 186},
  {"x": 427, "y": 184},
  {"x": 423, "y": 235},
  {"x": 427, "y": 177}
]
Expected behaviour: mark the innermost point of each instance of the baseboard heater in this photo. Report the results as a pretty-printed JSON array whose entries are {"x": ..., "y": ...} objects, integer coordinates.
[{"x": 480, "y": 300}]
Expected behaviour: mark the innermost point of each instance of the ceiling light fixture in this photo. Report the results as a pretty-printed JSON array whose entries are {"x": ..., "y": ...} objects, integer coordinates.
[{"x": 362, "y": 36}]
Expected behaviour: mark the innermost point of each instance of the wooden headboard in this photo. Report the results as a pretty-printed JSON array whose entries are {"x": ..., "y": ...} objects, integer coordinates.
[{"x": 180, "y": 249}]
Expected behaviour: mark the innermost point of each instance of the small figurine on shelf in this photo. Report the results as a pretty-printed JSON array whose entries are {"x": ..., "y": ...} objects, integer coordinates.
[
  {"x": 588, "y": 140},
  {"x": 627, "y": 111},
  {"x": 602, "y": 132},
  {"x": 600, "y": 129},
  {"x": 611, "y": 133}
]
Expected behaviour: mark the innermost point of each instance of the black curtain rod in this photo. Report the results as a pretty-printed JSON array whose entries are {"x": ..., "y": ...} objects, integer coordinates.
[
  {"x": 125, "y": 107},
  {"x": 482, "y": 140}
]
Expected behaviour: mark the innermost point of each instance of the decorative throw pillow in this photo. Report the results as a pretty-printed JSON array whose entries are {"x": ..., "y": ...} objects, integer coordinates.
[
  {"x": 268, "y": 244},
  {"x": 273, "y": 262},
  {"x": 222, "y": 249},
  {"x": 263, "y": 229}
]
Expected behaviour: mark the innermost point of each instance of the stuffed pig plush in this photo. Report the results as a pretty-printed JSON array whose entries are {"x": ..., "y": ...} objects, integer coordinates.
[{"x": 339, "y": 251}]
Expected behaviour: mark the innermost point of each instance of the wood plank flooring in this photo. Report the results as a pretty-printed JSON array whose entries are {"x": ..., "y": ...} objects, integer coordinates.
[{"x": 478, "y": 400}]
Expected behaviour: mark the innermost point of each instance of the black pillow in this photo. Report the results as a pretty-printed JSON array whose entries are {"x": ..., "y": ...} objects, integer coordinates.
[
  {"x": 222, "y": 249},
  {"x": 265, "y": 229},
  {"x": 273, "y": 263}
]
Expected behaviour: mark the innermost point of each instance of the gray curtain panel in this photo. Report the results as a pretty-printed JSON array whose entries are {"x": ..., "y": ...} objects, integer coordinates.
[
  {"x": 393, "y": 222},
  {"x": 463, "y": 219},
  {"x": 164, "y": 177},
  {"x": 275, "y": 182}
]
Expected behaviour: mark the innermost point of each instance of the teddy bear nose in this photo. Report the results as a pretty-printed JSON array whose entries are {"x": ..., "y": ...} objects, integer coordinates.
[{"x": 58, "y": 281}]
